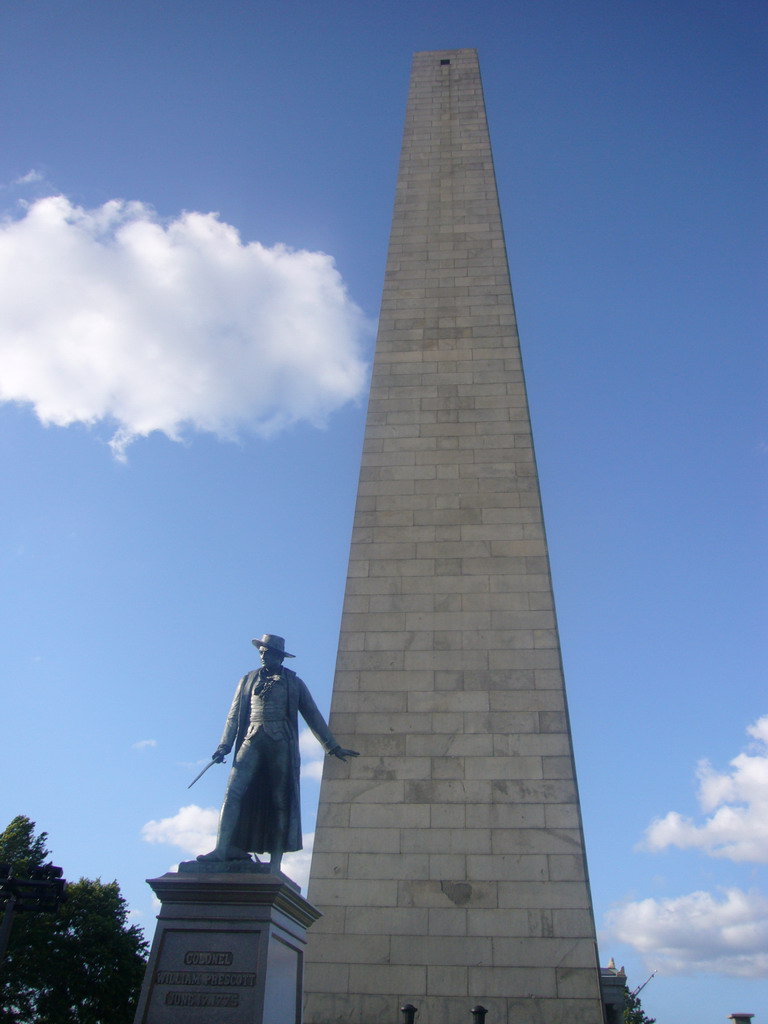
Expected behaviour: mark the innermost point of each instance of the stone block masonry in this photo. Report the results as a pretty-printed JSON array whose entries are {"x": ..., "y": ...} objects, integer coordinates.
[{"x": 449, "y": 858}]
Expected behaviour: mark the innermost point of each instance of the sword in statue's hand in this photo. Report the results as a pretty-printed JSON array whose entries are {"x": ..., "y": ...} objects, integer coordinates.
[{"x": 216, "y": 759}]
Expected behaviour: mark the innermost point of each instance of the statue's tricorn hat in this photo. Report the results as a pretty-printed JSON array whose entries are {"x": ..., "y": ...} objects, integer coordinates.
[{"x": 273, "y": 643}]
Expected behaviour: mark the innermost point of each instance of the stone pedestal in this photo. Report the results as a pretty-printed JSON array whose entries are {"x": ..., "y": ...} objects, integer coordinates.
[{"x": 229, "y": 947}]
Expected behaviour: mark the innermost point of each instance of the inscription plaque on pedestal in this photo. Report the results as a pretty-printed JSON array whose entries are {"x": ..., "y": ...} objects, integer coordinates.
[{"x": 228, "y": 943}]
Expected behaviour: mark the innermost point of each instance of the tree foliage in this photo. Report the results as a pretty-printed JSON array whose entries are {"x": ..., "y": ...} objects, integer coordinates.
[
  {"x": 633, "y": 1010},
  {"x": 82, "y": 965},
  {"x": 21, "y": 848}
]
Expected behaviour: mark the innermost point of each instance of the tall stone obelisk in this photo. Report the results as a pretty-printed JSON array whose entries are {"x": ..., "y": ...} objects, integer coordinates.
[{"x": 449, "y": 858}]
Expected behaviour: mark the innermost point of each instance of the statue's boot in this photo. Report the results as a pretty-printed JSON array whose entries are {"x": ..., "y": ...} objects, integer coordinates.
[
  {"x": 224, "y": 850},
  {"x": 274, "y": 861},
  {"x": 225, "y": 853}
]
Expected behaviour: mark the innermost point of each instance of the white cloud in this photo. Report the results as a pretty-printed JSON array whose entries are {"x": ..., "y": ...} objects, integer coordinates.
[
  {"x": 114, "y": 315},
  {"x": 192, "y": 829},
  {"x": 698, "y": 933},
  {"x": 144, "y": 744},
  {"x": 296, "y": 865},
  {"x": 736, "y": 803},
  {"x": 30, "y": 178}
]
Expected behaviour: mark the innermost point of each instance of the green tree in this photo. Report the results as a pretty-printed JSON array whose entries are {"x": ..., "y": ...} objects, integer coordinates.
[
  {"x": 82, "y": 965},
  {"x": 20, "y": 847},
  {"x": 633, "y": 1010}
]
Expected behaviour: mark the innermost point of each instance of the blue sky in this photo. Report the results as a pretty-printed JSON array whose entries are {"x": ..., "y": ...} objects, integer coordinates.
[{"x": 225, "y": 360}]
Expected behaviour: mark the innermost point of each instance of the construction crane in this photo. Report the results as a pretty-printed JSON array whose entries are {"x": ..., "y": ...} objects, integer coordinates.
[{"x": 641, "y": 987}]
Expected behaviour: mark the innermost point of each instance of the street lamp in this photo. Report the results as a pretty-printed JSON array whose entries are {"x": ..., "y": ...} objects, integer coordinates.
[{"x": 42, "y": 892}]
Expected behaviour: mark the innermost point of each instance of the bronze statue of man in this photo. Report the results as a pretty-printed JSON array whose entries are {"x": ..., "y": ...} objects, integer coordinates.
[{"x": 261, "y": 812}]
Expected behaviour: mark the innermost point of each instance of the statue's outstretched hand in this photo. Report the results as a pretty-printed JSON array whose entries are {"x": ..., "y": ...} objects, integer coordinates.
[
  {"x": 343, "y": 754},
  {"x": 219, "y": 754}
]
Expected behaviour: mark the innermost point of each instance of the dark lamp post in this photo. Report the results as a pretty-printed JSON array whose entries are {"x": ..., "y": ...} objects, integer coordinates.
[{"x": 42, "y": 892}]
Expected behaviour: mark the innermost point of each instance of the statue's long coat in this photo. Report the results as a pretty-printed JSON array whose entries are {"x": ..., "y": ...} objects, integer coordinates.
[{"x": 253, "y": 828}]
